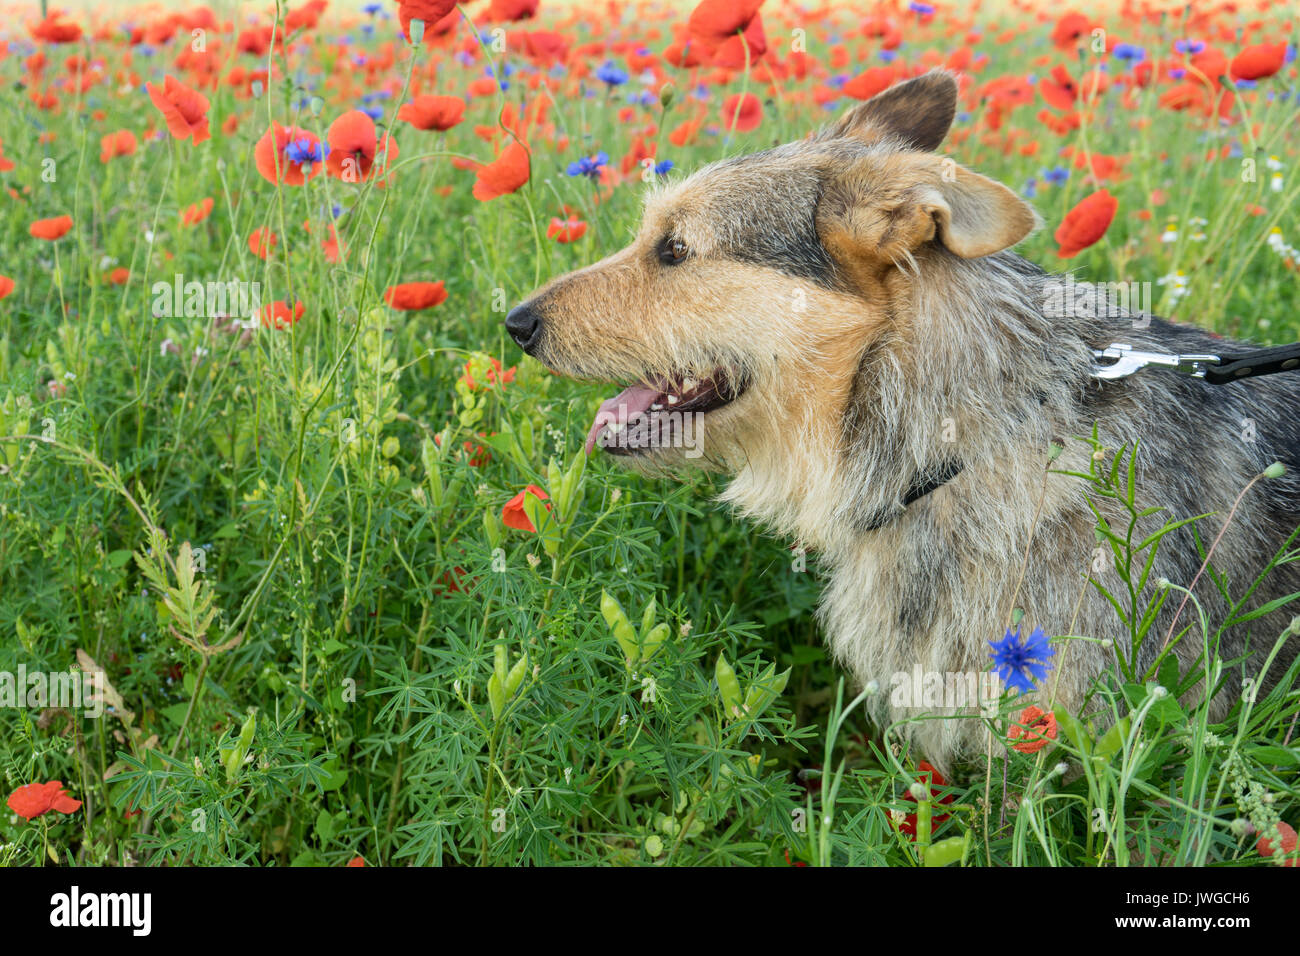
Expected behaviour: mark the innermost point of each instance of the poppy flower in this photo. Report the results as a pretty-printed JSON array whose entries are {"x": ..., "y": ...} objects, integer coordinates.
[
  {"x": 35, "y": 799},
  {"x": 55, "y": 29},
  {"x": 277, "y": 315},
  {"x": 513, "y": 514},
  {"x": 197, "y": 212},
  {"x": 262, "y": 242},
  {"x": 430, "y": 112},
  {"x": 6, "y": 286},
  {"x": 494, "y": 375},
  {"x": 566, "y": 230},
  {"x": 1039, "y": 729},
  {"x": 1257, "y": 62},
  {"x": 50, "y": 229},
  {"x": 1287, "y": 837},
  {"x": 1086, "y": 223},
  {"x": 742, "y": 112},
  {"x": 353, "y": 144},
  {"x": 289, "y": 155},
  {"x": 121, "y": 143},
  {"x": 412, "y": 296},
  {"x": 430, "y": 11},
  {"x": 1069, "y": 29},
  {"x": 119, "y": 276},
  {"x": 868, "y": 84},
  {"x": 718, "y": 25},
  {"x": 935, "y": 781},
  {"x": 504, "y": 174},
  {"x": 184, "y": 110},
  {"x": 357, "y": 861}
]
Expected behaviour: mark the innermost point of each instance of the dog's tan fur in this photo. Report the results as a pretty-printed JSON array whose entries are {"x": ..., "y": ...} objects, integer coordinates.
[{"x": 859, "y": 281}]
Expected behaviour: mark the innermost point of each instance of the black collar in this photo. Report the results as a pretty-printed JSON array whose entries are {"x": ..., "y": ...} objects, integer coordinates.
[{"x": 924, "y": 483}]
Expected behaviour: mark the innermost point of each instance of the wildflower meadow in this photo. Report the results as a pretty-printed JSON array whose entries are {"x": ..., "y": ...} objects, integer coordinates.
[{"x": 303, "y": 562}]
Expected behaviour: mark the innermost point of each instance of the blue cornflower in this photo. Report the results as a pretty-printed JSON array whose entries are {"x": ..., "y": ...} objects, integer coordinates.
[
  {"x": 588, "y": 166},
  {"x": 305, "y": 151},
  {"x": 1018, "y": 663},
  {"x": 662, "y": 167},
  {"x": 372, "y": 8},
  {"x": 611, "y": 75},
  {"x": 374, "y": 112},
  {"x": 924, "y": 9},
  {"x": 1189, "y": 46},
  {"x": 1031, "y": 188},
  {"x": 1056, "y": 175},
  {"x": 1129, "y": 53},
  {"x": 889, "y": 56}
]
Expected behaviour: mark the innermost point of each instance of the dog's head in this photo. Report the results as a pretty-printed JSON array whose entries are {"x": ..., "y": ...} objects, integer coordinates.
[{"x": 740, "y": 313}]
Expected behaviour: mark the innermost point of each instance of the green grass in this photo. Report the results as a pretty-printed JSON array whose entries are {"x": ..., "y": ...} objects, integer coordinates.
[{"x": 340, "y": 678}]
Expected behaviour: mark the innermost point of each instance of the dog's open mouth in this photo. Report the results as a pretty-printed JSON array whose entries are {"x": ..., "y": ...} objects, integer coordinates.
[{"x": 661, "y": 412}]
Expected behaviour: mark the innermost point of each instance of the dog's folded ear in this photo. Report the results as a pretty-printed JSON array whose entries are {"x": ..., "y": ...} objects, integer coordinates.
[
  {"x": 885, "y": 209},
  {"x": 918, "y": 112}
]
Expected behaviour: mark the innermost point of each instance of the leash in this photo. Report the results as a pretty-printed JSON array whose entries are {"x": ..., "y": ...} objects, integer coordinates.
[{"x": 1215, "y": 369}]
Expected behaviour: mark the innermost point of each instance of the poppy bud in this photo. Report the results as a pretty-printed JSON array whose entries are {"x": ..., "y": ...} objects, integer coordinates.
[
  {"x": 1275, "y": 470},
  {"x": 417, "y": 32},
  {"x": 666, "y": 94}
]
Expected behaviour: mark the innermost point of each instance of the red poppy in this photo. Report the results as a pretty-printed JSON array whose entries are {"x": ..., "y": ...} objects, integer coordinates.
[
  {"x": 354, "y": 144},
  {"x": 54, "y": 29},
  {"x": 718, "y": 25},
  {"x": 1086, "y": 223},
  {"x": 184, "y": 110},
  {"x": 494, "y": 375},
  {"x": 742, "y": 112},
  {"x": 1259, "y": 61},
  {"x": 412, "y": 296},
  {"x": 284, "y": 152},
  {"x": 121, "y": 143},
  {"x": 277, "y": 315},
  {"x": 119, "y": 276},
  {"x": 6, "y": 286},
  {"x": 504, "y": 174},
  {"x": 1069, "y": 29},
  {"x": 262, "y": 242},
  {"x": 430, "y": 112},
  {"x": 197, "y": 212},
  {"x": 357, "y": 861},
  {"x": 36, "y": 799},
  {"x": 566, "y": 230},
  {"x": 936, "y": 780},
  {"x": 868, "y": 84},
  {"x": 1287, "y": 836},
  {"x": 513, "y": 515},
  {"x": 430, "y": 11},
  {"x": 50, "y": 228},
  {"x": 1038, "y": 731}
]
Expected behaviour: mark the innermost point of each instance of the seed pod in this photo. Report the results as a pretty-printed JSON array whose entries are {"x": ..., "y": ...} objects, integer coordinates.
[
  {"x": 516, "y": 676},
  {"x": 620, "y": 626},
  {"x": 728, "y": 687},
  {"x": 654, "y": 642},
  {"x": 765, "y": 689},
  {"x": 648, "y": 619}
]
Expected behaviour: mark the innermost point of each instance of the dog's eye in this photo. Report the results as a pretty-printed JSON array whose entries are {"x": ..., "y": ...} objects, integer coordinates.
[{"x": 672, "y": 251}]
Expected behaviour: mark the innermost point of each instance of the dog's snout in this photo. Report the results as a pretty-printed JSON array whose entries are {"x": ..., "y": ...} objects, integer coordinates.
[{"x": 524, "y": 324}]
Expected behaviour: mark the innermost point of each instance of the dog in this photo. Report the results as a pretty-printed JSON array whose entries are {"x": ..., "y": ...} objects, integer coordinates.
[{"x": 839, "y": 324}]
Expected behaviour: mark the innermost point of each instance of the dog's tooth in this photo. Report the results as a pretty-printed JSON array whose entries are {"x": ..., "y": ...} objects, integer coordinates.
[
  {"x": 656, "y": 407},
  {"x": 673, "y": 399},
  {"x": 690, "y": 385}
]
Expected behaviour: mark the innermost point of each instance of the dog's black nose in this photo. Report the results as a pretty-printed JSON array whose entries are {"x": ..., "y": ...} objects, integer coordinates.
[{"x": 525, "y": 326}]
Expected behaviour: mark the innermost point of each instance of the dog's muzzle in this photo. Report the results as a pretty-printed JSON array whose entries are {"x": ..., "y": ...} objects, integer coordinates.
[{"x": 524, "y": 323}]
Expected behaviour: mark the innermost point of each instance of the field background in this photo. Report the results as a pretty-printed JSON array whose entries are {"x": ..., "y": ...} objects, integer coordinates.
[{"x": 367, "y": 663}]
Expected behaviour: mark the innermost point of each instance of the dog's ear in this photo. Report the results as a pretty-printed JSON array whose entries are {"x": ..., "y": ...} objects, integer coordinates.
[
  {"x": 865, "y": 220},
  {"x": 918, "y": 111}
]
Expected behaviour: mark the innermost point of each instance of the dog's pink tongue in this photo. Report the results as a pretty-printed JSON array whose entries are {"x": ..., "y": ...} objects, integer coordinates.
[{"x": 617, "y": 410}]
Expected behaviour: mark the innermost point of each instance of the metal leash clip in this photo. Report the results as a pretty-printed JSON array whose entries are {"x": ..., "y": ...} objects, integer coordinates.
[{"x": 1129, "y": 360}]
